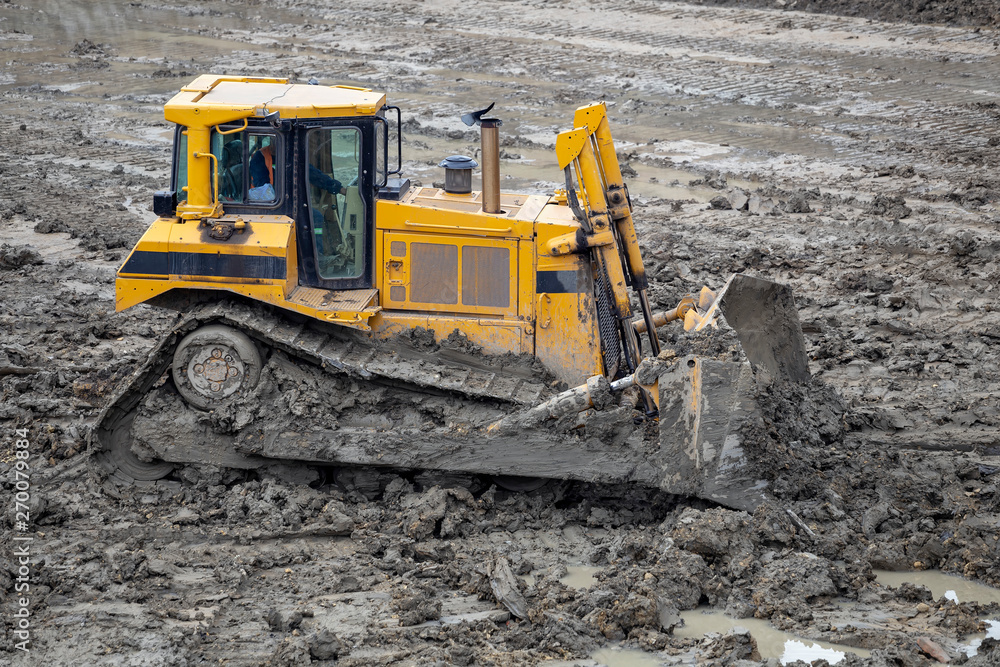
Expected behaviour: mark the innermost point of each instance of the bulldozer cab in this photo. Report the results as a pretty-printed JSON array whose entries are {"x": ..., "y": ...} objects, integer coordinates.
[{"x": 322, "y": 175}]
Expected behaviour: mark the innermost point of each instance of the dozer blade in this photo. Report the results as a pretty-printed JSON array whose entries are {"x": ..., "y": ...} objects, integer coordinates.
[
  {"x": 708, "y": 442},
  {"x": 707, "y": 407},
  {"x": 704, "y": 407},
  {"x": 763, "y": 315}
]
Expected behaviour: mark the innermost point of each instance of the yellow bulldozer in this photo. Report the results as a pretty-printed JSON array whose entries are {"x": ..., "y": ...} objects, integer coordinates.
[{"x": 334, "y": 314}]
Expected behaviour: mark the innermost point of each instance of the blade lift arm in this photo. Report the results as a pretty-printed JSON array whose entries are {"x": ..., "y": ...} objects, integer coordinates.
[{"x": 600, "y": 201}]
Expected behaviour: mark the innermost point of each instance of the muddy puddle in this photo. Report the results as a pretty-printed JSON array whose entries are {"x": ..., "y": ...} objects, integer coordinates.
[
  {"x": 788, "y": 647},
  {"x": 614, "y": 657},
  {"x": 956, "y": 589},
  {"x": 771, "y": 642},
  {"x": 941, "y": 585},
  {"x": 576, "y": 576}
]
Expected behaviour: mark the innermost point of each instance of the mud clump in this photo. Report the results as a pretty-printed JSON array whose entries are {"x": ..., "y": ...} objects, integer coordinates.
[
  {"x": 798, "y": 203},
  {"x": 796, "y": 421},
  {"x": 414, "y": 604},
  {"x": 790, "y": 586},
  {"x": 104, "y": 239},
  {"x": 325, "y": 645},
  {"x": 720, "y": 203},
  {"x": 14, "y": 257},
  {"x": 735, "y": 646},
  {"x": 892, "y": 207},
  {"x": 635, "y": 611},
  {"x": 89, "y": 48},
  {"x": 713, "y": 534},
  {"x": 49, "y": 226}
]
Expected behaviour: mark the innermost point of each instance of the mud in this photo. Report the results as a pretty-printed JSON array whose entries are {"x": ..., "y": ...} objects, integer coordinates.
[
  {"x": 954, "y": 12},
  {"x": 869, "y": 151}
]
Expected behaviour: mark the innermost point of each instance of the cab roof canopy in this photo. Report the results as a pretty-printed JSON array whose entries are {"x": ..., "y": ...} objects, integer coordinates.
[{"x": 215, "y": 95}]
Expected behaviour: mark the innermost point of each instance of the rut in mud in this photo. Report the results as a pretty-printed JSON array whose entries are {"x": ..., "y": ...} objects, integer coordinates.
[{"x": 851, "y": 159}]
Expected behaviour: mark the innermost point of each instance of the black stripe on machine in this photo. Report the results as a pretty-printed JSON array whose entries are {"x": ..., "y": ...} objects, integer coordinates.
[
  {"x": 144, "y": 261},
  {"x": 559, "y": 282},
  {"x": 216, "y": 265}
]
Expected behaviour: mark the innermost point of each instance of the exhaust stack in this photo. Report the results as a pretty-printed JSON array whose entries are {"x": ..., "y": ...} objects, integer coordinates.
[
  {"x": 490, "y": 136},
  {"x": 490, "y": 140}
]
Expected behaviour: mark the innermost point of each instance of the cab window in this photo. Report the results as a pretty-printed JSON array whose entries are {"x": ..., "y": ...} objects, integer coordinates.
[
  {"x": 248, "y": 167},
  {"x": 180, "y": 163},
  {"x": 263, "y": 181},
  {"x": 381, "y": 131},
  {"x": 228, "y": 151},
  {"x": 337, "y": 211}
]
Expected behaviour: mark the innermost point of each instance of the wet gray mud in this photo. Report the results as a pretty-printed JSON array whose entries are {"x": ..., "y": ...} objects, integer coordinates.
[
  {"x": 954, "y": 12},
  {"x": 850, "y": 159}
]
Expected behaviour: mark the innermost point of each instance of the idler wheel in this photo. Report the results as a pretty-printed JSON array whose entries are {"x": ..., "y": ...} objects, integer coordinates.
[
  {"x": 215, "y": 365},
  {"x": 122, "y": 463}
]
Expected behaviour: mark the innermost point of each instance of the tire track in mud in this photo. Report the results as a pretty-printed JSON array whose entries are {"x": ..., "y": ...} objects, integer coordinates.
[
  {"x": 915, "y": 90},
  {"x": 792, "y": 77}
]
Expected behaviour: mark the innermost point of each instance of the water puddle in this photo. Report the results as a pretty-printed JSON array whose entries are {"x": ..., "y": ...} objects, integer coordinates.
[
  {"x": 771, "y": 642},
  {"x": 954, "y": 588},
  {"x": 949, "y": 586},
  {"x": 613, "y": 657},
  {"x": 580, "y": 576},
  {"x": 785, "y": 647},
  {"x": 577, "y": 576},
  {"x": 992, "y": 632}
]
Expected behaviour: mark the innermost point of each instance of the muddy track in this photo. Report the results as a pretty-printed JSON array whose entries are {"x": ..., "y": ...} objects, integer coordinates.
[{"x": 868, "y": 154}]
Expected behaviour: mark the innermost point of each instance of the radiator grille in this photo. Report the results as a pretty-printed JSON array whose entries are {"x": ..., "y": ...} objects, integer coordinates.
[{"x": 611, "y": 341}]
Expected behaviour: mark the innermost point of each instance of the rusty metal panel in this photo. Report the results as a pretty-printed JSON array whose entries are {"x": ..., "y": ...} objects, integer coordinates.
[
  {"x": 485, "y": 276},
  {"x": 434, "y": 273}
]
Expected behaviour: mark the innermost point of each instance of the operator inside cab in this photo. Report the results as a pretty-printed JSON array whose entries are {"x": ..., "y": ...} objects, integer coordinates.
[{"x": 262, "y": 173}]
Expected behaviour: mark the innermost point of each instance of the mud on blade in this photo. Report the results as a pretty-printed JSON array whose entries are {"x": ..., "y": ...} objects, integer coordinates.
[{"x": 707, "y": 404}]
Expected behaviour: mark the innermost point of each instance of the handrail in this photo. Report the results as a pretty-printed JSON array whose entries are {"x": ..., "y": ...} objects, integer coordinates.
[
  {"x": 215, "y": 180},
  {"x": 234, "y": 130},
  {"x": 458, "y": 229}
]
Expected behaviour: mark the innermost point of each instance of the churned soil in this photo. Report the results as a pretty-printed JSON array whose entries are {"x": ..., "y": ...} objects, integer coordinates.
[
  {"x": 852, "y": 159},
  {"x": 984, "y": 13}
]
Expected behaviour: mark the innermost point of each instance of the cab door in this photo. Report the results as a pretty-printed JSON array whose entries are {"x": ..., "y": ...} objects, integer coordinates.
[{"x": 335, "y": 217}]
